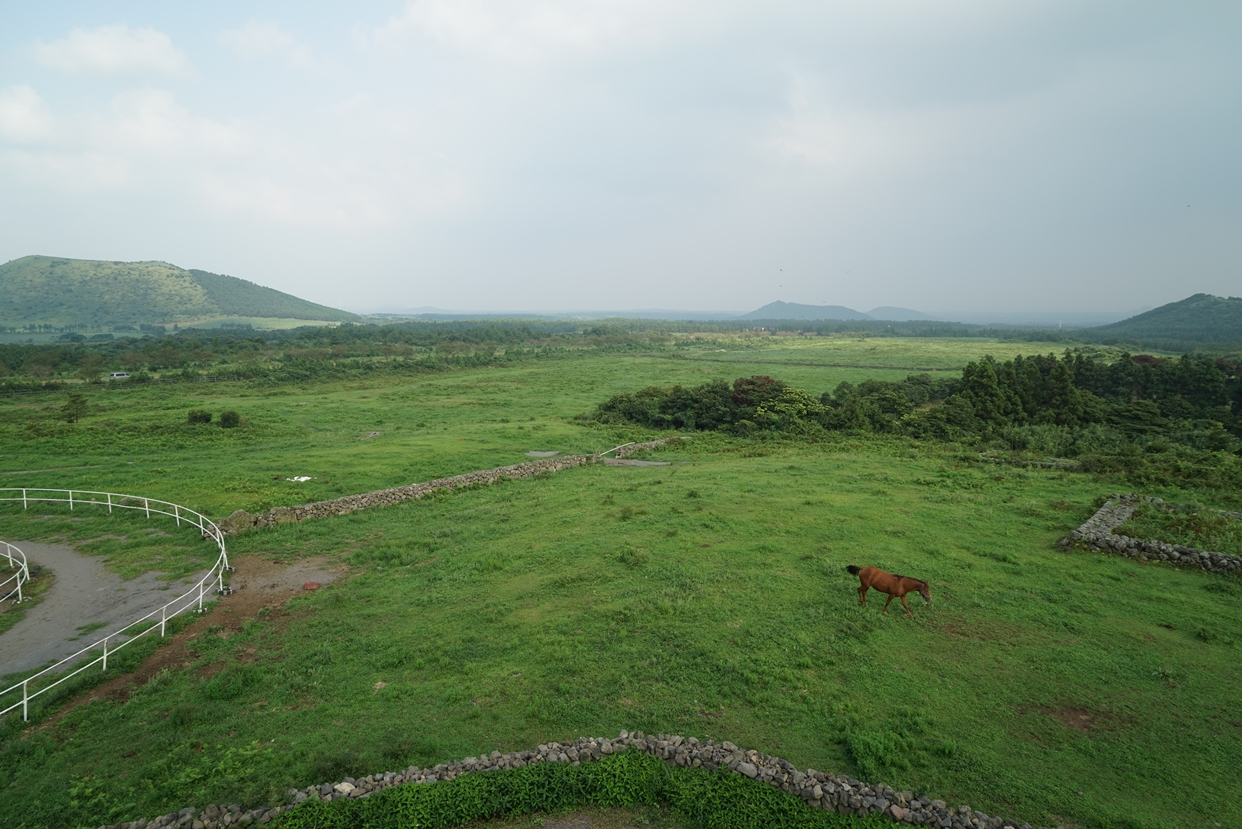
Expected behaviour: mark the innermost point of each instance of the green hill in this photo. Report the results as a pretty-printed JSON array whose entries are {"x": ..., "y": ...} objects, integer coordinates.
[
  {"x": 1202, "y": 321},
  {"x": 47, "y": 290}
]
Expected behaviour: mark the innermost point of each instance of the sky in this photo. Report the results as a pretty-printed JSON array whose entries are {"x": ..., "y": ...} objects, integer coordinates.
[{"x": 598, "y": 154}]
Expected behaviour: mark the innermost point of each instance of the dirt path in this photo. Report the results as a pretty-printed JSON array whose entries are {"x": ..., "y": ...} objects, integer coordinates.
[
  {"x": 258, "y": 583},
  {"x": 85, "y": 603}
]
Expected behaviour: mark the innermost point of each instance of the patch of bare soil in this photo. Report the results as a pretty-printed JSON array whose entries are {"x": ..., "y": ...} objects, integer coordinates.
[
  {"x": 1082, "y": 719},
  {"x": 258, "y": 583}
]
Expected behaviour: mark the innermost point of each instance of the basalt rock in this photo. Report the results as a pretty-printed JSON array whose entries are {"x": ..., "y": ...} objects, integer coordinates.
[
  {"x": 240, "y": 521},
  {"x": 838, "y": 793},
  {"x": 1096, "y": 533}
]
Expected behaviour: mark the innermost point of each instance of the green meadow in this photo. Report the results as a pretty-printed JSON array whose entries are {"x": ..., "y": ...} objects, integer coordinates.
[{"x": 707, "y": 597}]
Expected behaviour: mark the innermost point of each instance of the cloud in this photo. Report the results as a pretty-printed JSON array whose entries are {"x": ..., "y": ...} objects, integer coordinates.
[
  {"x": 514, "y": 31},
  {"x": 151, "y": 120},
  {"x": 822, "y": 134},
  {"x": 24, "y": 116},
  {"x": 113, "y": 50},
  {"x": 257, "y": 40},
  {"x": 75, "y": 172}
]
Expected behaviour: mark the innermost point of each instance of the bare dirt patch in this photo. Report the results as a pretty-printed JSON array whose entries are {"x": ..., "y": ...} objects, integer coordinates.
[
  {"x": 1084, "y": 720},
  {"x": 85, "y": 594},
  {"x": 1079, "y": 719},
  {"x": 258, "y": 583}
]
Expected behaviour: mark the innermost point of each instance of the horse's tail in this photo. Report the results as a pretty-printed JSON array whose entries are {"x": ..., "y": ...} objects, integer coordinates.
[{"x": 853, "y": 570}]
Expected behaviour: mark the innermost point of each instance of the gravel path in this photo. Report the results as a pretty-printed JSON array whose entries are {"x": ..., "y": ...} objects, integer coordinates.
[{"x": 83, "y": 593}]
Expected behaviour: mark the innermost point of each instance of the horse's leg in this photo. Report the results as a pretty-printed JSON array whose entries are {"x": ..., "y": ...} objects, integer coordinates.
[
  {"x": 890, "y": 598},
  {"x": 906, "y": 606},
  {"x": 862, "y": 594}
]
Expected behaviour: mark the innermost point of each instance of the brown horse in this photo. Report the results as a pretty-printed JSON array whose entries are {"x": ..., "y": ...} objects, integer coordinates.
[{"x": 895, "y": 586}]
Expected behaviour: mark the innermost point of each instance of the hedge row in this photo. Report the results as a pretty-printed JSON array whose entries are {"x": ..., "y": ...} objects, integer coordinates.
[{"x": 718, "y": 800}]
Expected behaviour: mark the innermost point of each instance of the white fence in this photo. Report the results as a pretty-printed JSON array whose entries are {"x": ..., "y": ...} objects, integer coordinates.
[
  {"x": 43, "y": 681},
  {"x": 17, "y": 560}
]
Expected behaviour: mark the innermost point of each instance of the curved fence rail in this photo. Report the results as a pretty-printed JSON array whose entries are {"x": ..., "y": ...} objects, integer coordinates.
[
  {"x": 17, "y": 561},
  {"x": 19, "y": 695}
]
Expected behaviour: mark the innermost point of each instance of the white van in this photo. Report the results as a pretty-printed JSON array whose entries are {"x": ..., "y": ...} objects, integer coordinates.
[{"x": 119, "y": 375}]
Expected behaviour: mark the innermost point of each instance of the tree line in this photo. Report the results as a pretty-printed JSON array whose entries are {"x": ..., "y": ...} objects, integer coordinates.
[{"x": 1041, "y": 402}]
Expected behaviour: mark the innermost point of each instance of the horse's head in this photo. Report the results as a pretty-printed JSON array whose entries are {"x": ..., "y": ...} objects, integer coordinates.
[{"x": 925, "y": 592}]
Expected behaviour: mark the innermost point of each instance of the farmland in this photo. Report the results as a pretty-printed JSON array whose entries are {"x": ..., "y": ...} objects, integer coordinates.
[{"x": 707, "y": 597}]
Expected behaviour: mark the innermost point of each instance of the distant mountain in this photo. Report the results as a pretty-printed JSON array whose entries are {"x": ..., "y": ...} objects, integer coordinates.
[
  {"x": 55, "y": 291},
  {"x": 1201, "y": 320},
  {"x": 888, "y": 312},
  {"x": 1041, "y": 319},
  {"x": 794, "y": 311},
  {"x": 432, "y": 313}
]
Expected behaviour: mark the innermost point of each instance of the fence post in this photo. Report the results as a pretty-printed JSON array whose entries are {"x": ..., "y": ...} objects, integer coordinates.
[
  {"x": 25, "y": 701},
  {"x": 109, "y": 503},
  {"x": 105, "y": 658},
  {"x": 200, "y": 597},
  {"x": 147, "y": 506},
  {"x": 23, "y": 499},
  {"x": 163, "y": 616},
  {"x": 71, "y": 500}
]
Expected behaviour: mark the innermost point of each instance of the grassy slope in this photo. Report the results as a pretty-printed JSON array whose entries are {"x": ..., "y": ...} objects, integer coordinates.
[
  {"x": 57, "y": 291},
  {"x": 43, "y": 289},
  {"x": 1201, "y": 320},
  {"x": 239, "y": 297},
  {"x": 624, "y": 600}
]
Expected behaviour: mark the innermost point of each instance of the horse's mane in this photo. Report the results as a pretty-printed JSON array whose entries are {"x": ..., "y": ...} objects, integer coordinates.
[{"x": 911, "y": 578}]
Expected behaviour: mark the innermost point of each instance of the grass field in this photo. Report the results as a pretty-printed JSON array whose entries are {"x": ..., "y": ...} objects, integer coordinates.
[{"x": 708, "y": 597}]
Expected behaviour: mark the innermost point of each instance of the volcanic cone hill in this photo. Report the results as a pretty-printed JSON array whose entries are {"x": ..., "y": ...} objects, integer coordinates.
[
  {"x": 47, "y": 290},
  {"x": 1199, "y": 321}
]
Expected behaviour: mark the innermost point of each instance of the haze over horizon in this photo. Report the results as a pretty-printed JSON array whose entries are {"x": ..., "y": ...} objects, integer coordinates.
[{"x": 955, "y": 157}]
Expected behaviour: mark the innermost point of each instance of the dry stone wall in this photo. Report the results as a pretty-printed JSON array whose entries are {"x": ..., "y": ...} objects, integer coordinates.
[
  {"x": 838, "y": 793},
  {"x": 240, "y": 521},
  {"x": 1097, "y": 533}
]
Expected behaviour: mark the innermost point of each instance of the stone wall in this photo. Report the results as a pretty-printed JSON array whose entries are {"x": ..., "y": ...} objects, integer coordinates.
[
  {"x": 240, "y": 521},
  {"x": 838, "y": 793},
  {"x": 1097, "y": 534}
]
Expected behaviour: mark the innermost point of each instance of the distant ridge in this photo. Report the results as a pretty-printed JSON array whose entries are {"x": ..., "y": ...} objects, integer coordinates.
[
  {"x": 1199, "y": 320},
  {"x": 889, "y": 312},
  {"x": 794, "y": 311},
  {"x": 48, "y": 290}
]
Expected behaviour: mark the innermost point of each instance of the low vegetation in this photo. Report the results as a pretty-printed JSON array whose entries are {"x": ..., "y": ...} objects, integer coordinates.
[
  {"x": 1186, "y": 524},
  {"x": 629, "y": 780},
  {"x": 708, "y": 597}
]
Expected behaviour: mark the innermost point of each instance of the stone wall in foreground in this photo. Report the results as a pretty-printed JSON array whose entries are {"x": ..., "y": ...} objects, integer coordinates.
[
  {"x": 1097, "y": 533},
  {"x": 240, "y": 521},
  {"x": 837, "y": 793}
]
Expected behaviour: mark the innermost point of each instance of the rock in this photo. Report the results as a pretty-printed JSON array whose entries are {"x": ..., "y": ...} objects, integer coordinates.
[{"x": 343, "y": 788}]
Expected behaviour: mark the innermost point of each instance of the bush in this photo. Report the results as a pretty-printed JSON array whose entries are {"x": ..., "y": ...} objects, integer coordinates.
[
  {"x": 721, "y": 799},
  {"x": 199, "y": 416},
  {"x": 230, "y": 419}
]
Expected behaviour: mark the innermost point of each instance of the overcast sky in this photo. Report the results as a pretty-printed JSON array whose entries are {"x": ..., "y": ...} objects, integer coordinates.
[{"x": 485, "y": 154}]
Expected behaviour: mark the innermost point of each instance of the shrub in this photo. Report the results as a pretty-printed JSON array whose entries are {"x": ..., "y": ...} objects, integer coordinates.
[
  {"x": 718, "y": 799},
  {"x": 230, "y": 419},
  {"x": 199, "y": 416},
  {"x": 75, "y": 408}
]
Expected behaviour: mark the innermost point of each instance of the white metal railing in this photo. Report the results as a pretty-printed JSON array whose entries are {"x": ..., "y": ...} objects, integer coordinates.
[
  {"x": 156, "y": 619},
  {"x": 17, "y": 560}
]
